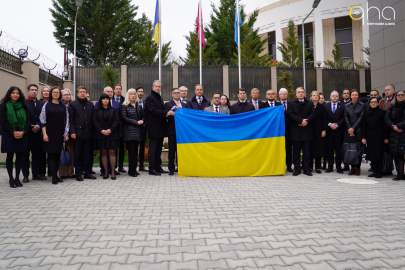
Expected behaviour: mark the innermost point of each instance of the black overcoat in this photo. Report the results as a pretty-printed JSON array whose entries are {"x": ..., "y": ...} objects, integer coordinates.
[
  {"x": 296, "y": 112},
  {"x": 99, "y": 124},
  {"x": 397, "y": 140},
  {"x": 353, "y": 117},
  {"x": 155, "y": 114},
  {"x": 34, "y": 112},
  {"x": 318, "y": 146},
  {"x": 374, "y": 131}
]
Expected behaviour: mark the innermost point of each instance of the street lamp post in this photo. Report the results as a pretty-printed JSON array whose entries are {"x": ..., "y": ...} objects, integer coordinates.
[
  {"x": 314, "y": 6},
  {"x": 79, "y": 3}
]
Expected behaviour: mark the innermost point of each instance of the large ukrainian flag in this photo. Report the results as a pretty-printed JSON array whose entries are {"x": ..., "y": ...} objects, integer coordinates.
[{"x": 219, "y": 145}]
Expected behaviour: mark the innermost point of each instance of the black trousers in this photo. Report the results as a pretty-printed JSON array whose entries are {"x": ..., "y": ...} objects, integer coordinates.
[
  {"x": 377, "y": 166},
  {"x": 121, "y": 154},
  {"x": 288, "y": 151},
  {"x": 53, "y": 162},
  {"x": 43, "y": 164},
  {"x": 35, "y": 151},
  {"x": 154, "y": 154},
  {"x": 334, "y": 146},
  {"x": 92, "y": 143},
  {"x": 83, "y": 156},
  {"x": 172, "y": 152},
  {"x": 306, "y": 147},
  {"x": 141, "y": 153},
  {"x": 132, "y": 147},
  {"x": 318, "y": 163}
]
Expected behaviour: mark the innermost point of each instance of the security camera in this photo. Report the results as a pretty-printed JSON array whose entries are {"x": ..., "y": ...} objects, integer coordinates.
[{"x": 66, "y": 34}]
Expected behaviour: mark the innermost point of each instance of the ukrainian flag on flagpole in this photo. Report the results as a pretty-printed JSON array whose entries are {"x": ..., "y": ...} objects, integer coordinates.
[
  {"x": 156, "y": 32},
  {"x": 220, "y": 145}
]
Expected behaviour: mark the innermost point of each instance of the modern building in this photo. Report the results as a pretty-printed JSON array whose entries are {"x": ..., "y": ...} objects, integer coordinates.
[{"x": 330, "y": 21}]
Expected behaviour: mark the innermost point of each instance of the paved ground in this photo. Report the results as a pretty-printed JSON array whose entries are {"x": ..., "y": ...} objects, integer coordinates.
[{"x": 201, "y": 223}]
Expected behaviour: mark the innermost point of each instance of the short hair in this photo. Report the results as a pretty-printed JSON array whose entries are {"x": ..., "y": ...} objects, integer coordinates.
[
  {"x": 375, "y": 90},
  {"x": 195, "y": 86},
  {"x": 50, "y": 93},
  {"x": 175, "y": 89},
  {"x": 300, "y": 87},
  {"x": 334, "y": 91},
  {"x": 183, "y": 87},
  {"x": 393, "y": 86},
  {"x": 346, "y": 89},
  {"x": 139, "y": 87},
  {"x": 81, "y": 87},
  {"x": 126, "y": 101},
  {"x": 241, "y": 90},
  {"x": 354, "y": 90},
  {"x": 254, "y": 89},
  {"x": 32, "y": 84},
  {"x": 282, "y": 90},
  {"x": 42, "y": 91},
  {"x": 216, "y": 94},
  {"x": 156, "y": 81},
  {"x": 107, "y": 87},
  {"x": 117, "y": 85},
  {"x": 270, "y": 90}
]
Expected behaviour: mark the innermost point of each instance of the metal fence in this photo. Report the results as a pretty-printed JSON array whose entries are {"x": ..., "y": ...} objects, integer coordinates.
[
  {"x": 212, "y": 79},
  {"x": 10, "y": 61},
  {"x": 297, "y": 78},
  {"x": 338, "y": 79},
  {"x": 90, "y": 77},
  {"x": 145, "y": 75},
  {"x": 368, "y": 80},
  {"x": 49, "y": 79},
  {"x": 252, "y": 77}
]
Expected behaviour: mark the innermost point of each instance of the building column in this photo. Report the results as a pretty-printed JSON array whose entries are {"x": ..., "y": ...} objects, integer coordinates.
[
  {"x": 319, "y": 87},
  {"x": 362, "y": 78},
  {"x": 124, "y": 79},
  {"x": 365, "y": 31},
  {"x": 30, "y": 69},
  {"x": 318, "y": 38},
  {"x": 175, "y": 76},
  {"x": 274, "y": 79},
  {"x": 279, "y": 39},
  {"x": 225, "y": 76}
]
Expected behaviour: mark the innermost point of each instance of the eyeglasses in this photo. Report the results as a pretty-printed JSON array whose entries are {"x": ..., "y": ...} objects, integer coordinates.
[
  {"x": 374, "y": 102},
  {"x": 66, "y": 95},
  {"x": 176, "y": 93}
]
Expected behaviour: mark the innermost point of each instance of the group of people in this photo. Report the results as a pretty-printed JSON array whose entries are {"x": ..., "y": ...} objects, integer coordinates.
[{"x": 42, "y": 127}]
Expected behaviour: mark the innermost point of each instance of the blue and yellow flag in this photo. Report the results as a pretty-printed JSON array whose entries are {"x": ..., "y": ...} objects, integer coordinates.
[
  {"x": 236, "y": 25},
  {"x": 156, "y": 32},
  {"x": 220, "y": 145}
]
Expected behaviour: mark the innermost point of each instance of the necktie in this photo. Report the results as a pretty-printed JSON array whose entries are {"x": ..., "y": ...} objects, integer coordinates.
[
  {"x": 199, "y": 101},
  {"x": 285, "y": 108},
  {"x": 216, "y": 109},
  {"x": 334, "y": 108},
  {"x": 271, "y": 104},
  {"x": 256, "y": 105},
  {"x": 178, "y": 104}
]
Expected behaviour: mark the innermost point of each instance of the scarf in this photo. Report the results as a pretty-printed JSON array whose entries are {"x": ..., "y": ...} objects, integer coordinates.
[{"x": 16, "y": 115}]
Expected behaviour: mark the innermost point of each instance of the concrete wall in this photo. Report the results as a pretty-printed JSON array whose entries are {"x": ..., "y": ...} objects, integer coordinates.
[{"x": 387, "y": 45}]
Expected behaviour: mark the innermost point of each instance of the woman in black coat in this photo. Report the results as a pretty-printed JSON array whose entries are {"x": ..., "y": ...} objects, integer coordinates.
[
  {"x": 318, "y": 145},
  {"x": 374, "y": 135},
  {"x": 353, "y": 118},
  {"x": 14, "y": 120},
  {"x": 106, "y": 134},
  {"x": 55, "y": 129},
  {"x": 133, "y": 119},
  {"x": 395, "y": 121}
]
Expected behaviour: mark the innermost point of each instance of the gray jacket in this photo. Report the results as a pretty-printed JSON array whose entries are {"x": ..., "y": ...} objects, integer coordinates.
[{"x": 221, "y": 109}]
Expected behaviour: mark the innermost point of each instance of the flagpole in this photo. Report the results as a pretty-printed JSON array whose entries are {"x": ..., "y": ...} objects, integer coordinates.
[
  {"x": 200, "y": 33},
  {"x": 160, "y": 43},
  {"x": 240, "y": 71}
]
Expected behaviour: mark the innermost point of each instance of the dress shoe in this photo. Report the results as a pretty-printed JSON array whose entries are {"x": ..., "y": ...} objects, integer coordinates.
[
  {"x": 143, "y": 169},
  {"x": 289, "y": 170},
  {"x": 171, "y": 173},
  {"x": 72, "y": 176},
  {"x": 122, "y": 170},
  {"x": 352, "y": 171},
  {"x": 18, "y": 183},
  {"x": 60, "y": 180},
  {"x": 372, "y": 175},
  {"x": 113, "y": 178},
  {"x": 92, "y": 172},
  {"x": 133, "y": 175},
  {"x": 387, "y": 173},
  {"x": 12, "y": 183},
  {"x": 106, "y": 177},
  {"x": 329, "y": 171},
  {"x": 397, "y": 178},
  {"x": 37, "y": 177},
  {"x": 318, "y": 171},
  {"x": 378, "y": 176},
  {"x": 357, "y": 171},
  {"x": 346, "y": 168},
  {"x": 153, "y": 172},
  {"x": 162, "y": 171},
  {"x": 55, "y": 181},
  {"x": 79, "y": 178},
  {"x": 176, "y": 170},
  {"x": 25, "y": 180},
  {"x": 63, "y": 177},
  {"x": 117, "y": 172},
  {"x": 296, "y": 173},
  {"x": 308, "y": 173},
  {"x": 89, "y": 176},
  {"x": 340, "y": 171}
]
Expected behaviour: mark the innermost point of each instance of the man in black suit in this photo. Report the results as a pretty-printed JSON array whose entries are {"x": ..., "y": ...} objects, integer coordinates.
[
  {"x": 121, "y": 151},
  {"x": 242, "y": 105},
  {"x": 283, "y": 94},
  {"x": 301, "y": 113},
  {"x": 80, "y": 128},
  {"x": 254, "y": 93},
  {"x": 171, "y": 130},
  {"x": 345, "y": 97},
  {"x": 198, "y": 102},
  {"x": 144, "y": 131},
  {"x": 334, "y": 134},
  {"x": 34, "y": 137},
  {"x": 156, "y": 114},
  {"x": 271, "y": 100}
]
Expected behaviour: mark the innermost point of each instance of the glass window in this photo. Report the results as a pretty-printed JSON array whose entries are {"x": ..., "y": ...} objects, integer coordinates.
[
  {"x": 308, "y": 29},
  {"x": 347, "y": 49},
  {"x": 272, "y": 44},
  {"x": 343, "y": 22},
  {"x": 272, "y": 50},
  {"x": 272, "y": 37},
  {"x": 344, "y": 36}
]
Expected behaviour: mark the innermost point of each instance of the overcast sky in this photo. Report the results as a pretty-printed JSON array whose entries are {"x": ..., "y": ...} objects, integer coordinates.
[{"x": 30, "y": 21}]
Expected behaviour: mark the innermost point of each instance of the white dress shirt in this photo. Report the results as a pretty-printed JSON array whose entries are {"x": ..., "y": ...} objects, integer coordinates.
[{"x": 271, "y": 103}]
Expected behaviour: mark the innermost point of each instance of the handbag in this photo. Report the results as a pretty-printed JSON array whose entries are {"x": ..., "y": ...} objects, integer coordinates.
[
  {"x": 65, "y": 156},
  {"x": 352, "y": 152},
  {"x": 387, "y": 161}
]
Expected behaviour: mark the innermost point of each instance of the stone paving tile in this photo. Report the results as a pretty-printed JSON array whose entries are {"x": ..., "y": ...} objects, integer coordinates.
[{"x": 203, "y": 223}]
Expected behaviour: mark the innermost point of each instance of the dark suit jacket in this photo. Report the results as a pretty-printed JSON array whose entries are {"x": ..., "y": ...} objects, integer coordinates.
[
  {"x": 122, "y": 99},
  {"x": 34, "y": 112},
  {"x": 298, "y": 111},
  {"x": 193, "y": 103},
  {"x": 171, "y": 125},
  {"x": 241, "y": 107},
  {"x": 80, "y": 120},
  {"x": 261, "y": 103},
  {"x": 338, "y": 117},
  {"x": 155, "y": 114},
  {"x": 267, "y": 105},
  {"x": 99, "y": 124}
]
